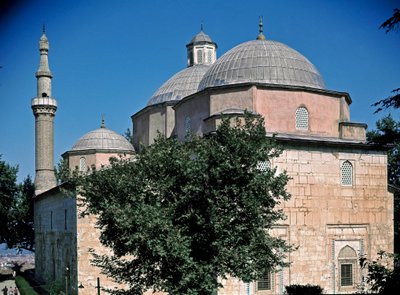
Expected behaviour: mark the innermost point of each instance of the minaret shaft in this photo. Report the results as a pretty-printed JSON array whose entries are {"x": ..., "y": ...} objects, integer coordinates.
[{"x": 44, "y": 109}]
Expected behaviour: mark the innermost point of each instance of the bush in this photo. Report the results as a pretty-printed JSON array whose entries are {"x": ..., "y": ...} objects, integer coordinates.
[
  {"x": 54, "y": 288},
  {"x": 24, "y": 287},
  {"x": 303, "y": 289}
]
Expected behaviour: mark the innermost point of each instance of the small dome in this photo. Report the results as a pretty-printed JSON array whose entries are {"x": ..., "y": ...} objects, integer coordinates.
[
  {"x": 103, "y": 139},
  {"x": 180, "y": 85},
  {"x": 263, "y": 61}
]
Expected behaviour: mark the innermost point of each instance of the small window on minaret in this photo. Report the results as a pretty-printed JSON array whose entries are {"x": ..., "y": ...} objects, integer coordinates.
[{"x": 44, "y": 94}]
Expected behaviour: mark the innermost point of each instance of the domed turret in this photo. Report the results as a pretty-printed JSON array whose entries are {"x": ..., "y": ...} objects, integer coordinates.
[
  {"x": 201, "y": 50},
  {"x": 201, "y": 54}
]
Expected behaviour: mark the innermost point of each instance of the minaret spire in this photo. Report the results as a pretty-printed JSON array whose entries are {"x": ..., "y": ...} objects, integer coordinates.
[
  {"x": 260, "y": 35},
  {"x": 44, "y": 108}
]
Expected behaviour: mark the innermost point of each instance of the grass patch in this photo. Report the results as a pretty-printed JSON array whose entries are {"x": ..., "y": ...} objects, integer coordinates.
[{"x": 24, "y": 287}]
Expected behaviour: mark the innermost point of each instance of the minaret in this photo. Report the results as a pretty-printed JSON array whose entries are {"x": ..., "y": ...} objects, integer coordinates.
[{"x": 44, "y": 108}]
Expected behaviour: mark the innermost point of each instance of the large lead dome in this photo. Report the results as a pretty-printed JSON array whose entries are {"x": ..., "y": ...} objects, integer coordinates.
[
  {"x": 263, "y": 61},
  {"x": 180, "y": 85}
]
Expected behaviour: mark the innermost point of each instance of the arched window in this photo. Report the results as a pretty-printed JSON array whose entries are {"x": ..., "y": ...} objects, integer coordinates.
[
  {"x": 347, "y": 173},
  {"x": 347, "y": 267},
  {"x": 82, "y": 164},
  {"x": 265, "y": 282},
  {"x": 302, "y": 118},
  {"x": 199, "y": 56}
]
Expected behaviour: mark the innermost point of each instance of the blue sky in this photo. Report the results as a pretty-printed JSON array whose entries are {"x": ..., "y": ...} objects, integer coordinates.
[{"x": 111, "y": 56}]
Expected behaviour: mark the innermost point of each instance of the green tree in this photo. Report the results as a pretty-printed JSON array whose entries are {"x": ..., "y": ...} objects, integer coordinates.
[
  {"x": 392, "y": 23},
  {"x": 182, "y": 214},
  {"x": 8, "y": 193},
  {"x": 21, "y": 223},
  {"x": 388, "y": 133},
  {"x": 128, "y": 135},
  {"x": 16, "y": 209},
  {"x": 392, "y": 101},
  {"x": 381, "y": 277},
  {"x": 62, "y": 171}
]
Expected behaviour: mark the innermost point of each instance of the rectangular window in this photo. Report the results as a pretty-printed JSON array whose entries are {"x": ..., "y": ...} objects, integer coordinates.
[
  {"x": 51, "y": 220},
  {"x": 346, "y": 275},
  {"x": 264, "y": 283}
]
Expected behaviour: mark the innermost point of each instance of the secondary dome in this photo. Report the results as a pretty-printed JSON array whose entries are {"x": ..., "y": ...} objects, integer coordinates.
[
  {"x": 180, "y": 85},
  {"x": 263, "y": 61},
  {"x": 103, "y": 139}
]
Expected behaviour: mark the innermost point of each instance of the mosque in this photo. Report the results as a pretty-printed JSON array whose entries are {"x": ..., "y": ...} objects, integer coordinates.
[{"x": 341, "y": 206}]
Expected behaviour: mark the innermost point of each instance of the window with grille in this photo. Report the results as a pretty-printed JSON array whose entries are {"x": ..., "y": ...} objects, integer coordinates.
[
  {"x": 209, "y": 56},
  {"x": 263, "y": 166},
  {"x": 347, "y": 173},
  {"x": 82, "y": 164},
  {"x": 264, "y": 283},
  {"x": 302, "y": 118},
  {"x": 199, "y": 56},
  {"x": 346, "y": 274},
  {"x": 347, "y": 267}
]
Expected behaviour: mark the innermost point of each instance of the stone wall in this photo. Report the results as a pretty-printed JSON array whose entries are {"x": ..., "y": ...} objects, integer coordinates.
[
  {"x": 55, "y": 238},
  {"x": 323, "y": 216}
]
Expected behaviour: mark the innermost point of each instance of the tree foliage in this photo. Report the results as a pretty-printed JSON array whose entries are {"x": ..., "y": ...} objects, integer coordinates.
[
  {"x": 388, "y": 133},
  {"x": 392, "y": 101},
  {"x": 182, "y": 214},
  {"x": 392, "y": 22},
  {"x": 62, "y": 171},
  {"x": 16, "y": 209},
  {"x": 382, "y": 277}
]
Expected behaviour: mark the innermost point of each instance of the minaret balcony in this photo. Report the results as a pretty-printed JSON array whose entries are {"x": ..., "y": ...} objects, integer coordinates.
[{"x": 43, "y": 74}]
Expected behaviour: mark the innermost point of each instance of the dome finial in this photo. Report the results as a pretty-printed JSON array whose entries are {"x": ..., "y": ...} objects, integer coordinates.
[
  {"x": 44, "y": 29},
  {"x": 102, "y": 121},
  {"x": 201, "y": 26},
  {"x": 261, "y": 35}
]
